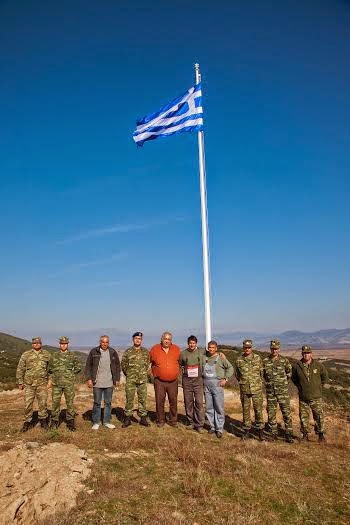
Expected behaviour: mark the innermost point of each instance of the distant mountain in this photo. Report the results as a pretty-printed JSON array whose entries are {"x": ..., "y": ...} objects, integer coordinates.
[
  {"x": 83, "y": 341},
  {"x": 327, "y": 338}
]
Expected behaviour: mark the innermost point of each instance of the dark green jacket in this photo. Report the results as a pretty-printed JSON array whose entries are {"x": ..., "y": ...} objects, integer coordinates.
[{"x": 309, "y": 385}]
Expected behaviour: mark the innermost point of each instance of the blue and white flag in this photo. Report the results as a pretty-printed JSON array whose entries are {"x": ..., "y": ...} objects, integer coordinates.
[{"x": 185, "y": 113}]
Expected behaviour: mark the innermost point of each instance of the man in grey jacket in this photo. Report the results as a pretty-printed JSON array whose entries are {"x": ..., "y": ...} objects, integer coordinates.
[{"x": 102, "y": 372}]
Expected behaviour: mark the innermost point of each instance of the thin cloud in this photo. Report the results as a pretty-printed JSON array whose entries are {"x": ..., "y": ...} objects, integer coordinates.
[
  {"x": 115, "y": 228},
  {"x": 88, "y": 264}
]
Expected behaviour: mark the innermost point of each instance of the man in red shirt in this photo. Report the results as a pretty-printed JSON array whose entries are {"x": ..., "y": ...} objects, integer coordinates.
[{"x": 165, "y": 369}]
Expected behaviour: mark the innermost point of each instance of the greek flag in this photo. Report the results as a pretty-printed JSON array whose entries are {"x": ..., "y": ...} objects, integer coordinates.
[{"x": 185, "y": 113}]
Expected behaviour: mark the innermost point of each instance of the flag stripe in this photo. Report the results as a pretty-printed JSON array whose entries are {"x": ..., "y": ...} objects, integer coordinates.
[
  {"x": 190, "y": 125},
  {"x": 169, "y": 123}
]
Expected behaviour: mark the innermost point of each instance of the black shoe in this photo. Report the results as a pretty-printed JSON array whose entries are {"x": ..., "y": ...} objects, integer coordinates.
[
  {"x": 321, "y": 438},
  {"x": 71, "y": 425},
  {"x": 26, "y": 426},
  {"x": 211, "y": 431},
  {"x": 54, "y": 425},
  {"x": 43, "y": 424},
  {"x": 289, "y": 438},
  {"x": 127, "y": 422},
  {"x": 144, "y": 422},
  {"x": 274, "y": 437},
  {"x": 261, "y": 435},
  {"x": 219, "y": 434},
  {"x": 190, "y": 427},
  {"x": 305, "y": 437},
  {"x": 245, "y": 435}
]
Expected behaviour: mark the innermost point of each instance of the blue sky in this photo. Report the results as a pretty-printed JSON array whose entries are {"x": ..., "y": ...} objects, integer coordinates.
[{"x": 99, "y": 234}]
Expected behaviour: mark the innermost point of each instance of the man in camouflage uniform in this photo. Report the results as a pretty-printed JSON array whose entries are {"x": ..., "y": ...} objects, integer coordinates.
[
  {"x": 249, "y": 373},
  {"x": 32, "y": 377},
  {"x": 277, "y": 372},
  {"x": 310, "y": 376},
  {"x": 135, "y": 364},
  {"x": 63, "y": 368}
]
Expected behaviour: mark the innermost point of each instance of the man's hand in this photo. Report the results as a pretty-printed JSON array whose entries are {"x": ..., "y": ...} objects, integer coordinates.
[
  {"x": 90, "y": 383},
  {"x": 222, "y": 382},
  {"x": 49, "y": 385},
  {"x": 21, "y": 387},
  {"x": 116, "y": 386}
]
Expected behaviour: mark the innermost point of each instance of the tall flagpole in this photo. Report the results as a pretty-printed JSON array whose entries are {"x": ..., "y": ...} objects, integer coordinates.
[{"x": 205, "y": 236}]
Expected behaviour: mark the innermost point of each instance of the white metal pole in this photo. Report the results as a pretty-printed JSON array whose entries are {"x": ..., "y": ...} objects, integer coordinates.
[{"x": 205, "y": 236}]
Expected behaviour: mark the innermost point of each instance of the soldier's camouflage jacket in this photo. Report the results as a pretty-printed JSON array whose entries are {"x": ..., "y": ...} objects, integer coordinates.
[
  {"x": 277, "y": 371},
  {"x": 135, "y": 364},
  {"x": 249, "y": 373},
  {"x": 63, "y": 368},
  {"x": 33, "y": 368}
]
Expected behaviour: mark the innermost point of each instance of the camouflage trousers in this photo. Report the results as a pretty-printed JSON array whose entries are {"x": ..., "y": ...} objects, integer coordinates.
[
  {"x": 69, "y": 393},
  {"x": 30, "y": 393},
  {"x": 257, "y": 401},
  {"x": 131, "y": 388},
  {"x": 316, "y": 406},
  {"x": 273, "y": 400}
]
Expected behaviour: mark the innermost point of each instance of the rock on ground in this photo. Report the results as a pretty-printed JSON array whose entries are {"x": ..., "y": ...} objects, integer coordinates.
[{"x": 38, "y": 481}]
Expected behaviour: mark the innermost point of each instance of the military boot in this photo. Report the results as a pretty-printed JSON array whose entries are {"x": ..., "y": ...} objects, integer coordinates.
[
  {"x": 261, "y": 435},
  {"x": 43, "y": 423},
  {"x": 26, "y": 426},
  {"x": 144, "y": 422},
  {"x": 245, "y": 435},
  {"x": 289, "y": 438},
  {"x": 305, "y": 437},
  {"x": 321, "y": 438},
  {"x": 71, "y": 425},
  {"x": 127, "y": 422},
  {"x": 53, "y": 425}
]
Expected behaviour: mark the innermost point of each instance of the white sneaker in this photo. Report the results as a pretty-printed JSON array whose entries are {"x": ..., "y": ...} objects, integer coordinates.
[
  {"x": 109, "y": 425},
  {"x": 96, "y": 426}
]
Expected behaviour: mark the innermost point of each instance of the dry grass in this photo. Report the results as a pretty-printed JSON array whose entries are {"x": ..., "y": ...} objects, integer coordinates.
[{"x": 173, "y": 476}]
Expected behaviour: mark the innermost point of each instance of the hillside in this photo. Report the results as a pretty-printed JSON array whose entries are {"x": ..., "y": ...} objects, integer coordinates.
[
  {"x": 11, "y": 349},
  {"x": 174, "y": 476}
]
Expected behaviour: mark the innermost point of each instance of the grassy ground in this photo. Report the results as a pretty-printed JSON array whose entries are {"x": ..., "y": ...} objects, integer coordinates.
[{"x": 175, "y": 476}]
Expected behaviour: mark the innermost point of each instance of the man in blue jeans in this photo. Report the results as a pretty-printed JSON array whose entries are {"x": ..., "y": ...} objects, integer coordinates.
[
  {"x": 217, "y": 370},
  {"x": 102, "y": 372}
]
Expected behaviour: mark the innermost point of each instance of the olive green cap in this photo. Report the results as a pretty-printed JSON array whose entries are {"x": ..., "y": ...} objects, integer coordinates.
[
  {"x": 275, "y": 344},
  {"x": 36, "y": 340},
  {"x": 247, "y": 343},
  {"x": 306, "y": 349},
  {"x": 64, "y": 339}
]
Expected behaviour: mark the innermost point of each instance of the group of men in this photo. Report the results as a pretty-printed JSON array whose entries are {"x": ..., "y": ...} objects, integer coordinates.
[
  {"x": 275, "y": 370},
  {"x": 205, "y": 372}
]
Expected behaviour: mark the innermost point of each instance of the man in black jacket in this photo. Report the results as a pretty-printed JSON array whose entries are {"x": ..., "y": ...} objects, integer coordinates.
[
  {"x": 310, "y": 376},
  {"x": 102, "y": 372}
]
